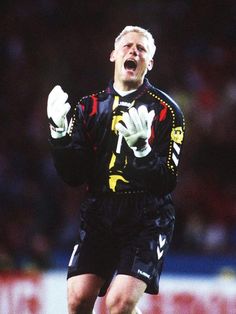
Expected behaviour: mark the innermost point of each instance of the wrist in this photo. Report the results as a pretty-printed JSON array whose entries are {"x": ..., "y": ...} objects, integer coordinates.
[
  {"x": 57, "y": 132},
  {"x": 142, "y": 152}
]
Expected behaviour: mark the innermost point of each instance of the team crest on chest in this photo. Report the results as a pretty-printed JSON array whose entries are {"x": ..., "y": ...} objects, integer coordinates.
[{"x": 177, "y": 135}]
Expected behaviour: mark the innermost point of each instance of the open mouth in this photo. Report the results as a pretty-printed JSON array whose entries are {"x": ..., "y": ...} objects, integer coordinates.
[{"x": 130, "y": 64}]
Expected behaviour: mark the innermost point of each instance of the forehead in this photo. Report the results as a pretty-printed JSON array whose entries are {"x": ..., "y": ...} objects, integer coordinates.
[{"x": 134, "y": 37}]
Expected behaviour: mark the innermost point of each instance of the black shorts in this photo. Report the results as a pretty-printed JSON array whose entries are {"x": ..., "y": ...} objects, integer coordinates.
[{"x": 124, "y": 234}]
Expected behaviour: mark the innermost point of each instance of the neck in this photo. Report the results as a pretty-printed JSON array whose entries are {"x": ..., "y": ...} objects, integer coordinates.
[
  {"x": 126, "y": 86},
  {"x": 123, "y": 93}
]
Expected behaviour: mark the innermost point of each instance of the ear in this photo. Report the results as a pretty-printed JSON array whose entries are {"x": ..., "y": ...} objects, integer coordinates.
[
  {"x": 150, "y": 65},
  {"x": 112, "y": 56}
]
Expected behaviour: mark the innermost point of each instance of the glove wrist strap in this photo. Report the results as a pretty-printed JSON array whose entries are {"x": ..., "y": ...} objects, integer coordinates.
[
  {"x": 142, "y": 152},
  {"x": 57, "y": 132}
]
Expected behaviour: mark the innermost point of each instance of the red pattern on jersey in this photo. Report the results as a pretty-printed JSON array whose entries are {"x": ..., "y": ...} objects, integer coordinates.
[
  {"x": 95, "y": 106},
  {"x": 163, "y": 112}
]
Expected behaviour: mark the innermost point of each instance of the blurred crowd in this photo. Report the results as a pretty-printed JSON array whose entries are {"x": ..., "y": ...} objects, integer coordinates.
[{"x": 48, "y": 42}]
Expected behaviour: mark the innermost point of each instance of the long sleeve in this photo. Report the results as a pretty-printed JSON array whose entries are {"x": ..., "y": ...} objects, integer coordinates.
[
  {"x": 94, "y": 153},
  {"x": 158, "y": 171},
  {"x": 72, "y": 154}
]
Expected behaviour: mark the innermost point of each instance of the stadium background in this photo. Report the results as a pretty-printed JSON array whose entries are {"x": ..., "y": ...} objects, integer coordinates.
[{"x": 48, "y": 42}]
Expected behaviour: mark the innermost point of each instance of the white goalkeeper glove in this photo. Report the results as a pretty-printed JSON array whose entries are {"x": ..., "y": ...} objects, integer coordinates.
[
  {"x": 137, "y": 129},
  {"x": 57, "y": 109}
]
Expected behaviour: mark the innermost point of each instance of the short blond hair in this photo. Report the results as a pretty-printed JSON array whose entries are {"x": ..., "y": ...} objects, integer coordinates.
[{"x": 144, "y": 32}]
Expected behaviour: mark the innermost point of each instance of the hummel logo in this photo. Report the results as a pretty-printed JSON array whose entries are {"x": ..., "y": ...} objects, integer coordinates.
[
  {"x": 125, "y": 104},
  {"x": 159, "y": 253},
  {"x": 162, "y": 242},
  {"x": 143, "y": 273}
]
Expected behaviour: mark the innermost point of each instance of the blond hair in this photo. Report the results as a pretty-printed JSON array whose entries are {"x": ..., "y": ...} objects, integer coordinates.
[{"x": 144, "y": 32}]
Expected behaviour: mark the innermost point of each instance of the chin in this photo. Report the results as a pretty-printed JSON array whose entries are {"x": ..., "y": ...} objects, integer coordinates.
[{"x": 134, "y": 82}]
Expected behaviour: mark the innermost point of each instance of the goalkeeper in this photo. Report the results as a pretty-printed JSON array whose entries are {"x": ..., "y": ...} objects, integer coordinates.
[{"x": 124, "y": 143}]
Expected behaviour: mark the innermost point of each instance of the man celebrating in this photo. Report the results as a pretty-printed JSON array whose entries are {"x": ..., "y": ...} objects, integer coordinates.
[{"x": 125, "y": 144}]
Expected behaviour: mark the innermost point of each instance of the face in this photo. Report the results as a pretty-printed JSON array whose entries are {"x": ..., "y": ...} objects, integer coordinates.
[{"x": 132, "y": 60}]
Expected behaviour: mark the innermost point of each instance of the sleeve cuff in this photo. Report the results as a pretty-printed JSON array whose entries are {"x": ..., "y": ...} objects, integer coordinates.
[
  {"x": 142, "y": 153},
  {"x": 62, "y": 141}
]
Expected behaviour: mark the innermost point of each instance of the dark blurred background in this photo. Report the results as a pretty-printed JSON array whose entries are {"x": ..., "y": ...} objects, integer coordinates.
[{"x": 48, "y": 42}]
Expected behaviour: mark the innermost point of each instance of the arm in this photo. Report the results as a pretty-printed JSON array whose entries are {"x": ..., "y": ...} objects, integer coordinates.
[
  {"x": 71, "y": 152},
  {"x": 157, "y": 170}
]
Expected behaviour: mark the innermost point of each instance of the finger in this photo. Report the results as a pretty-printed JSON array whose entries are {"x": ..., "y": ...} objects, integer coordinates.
[
  {"x": 57, "y": 95},
  {"x": 122, "y": 129},
  {"x": 143, "y": 114},
  {"x": 64, "y": 109},
  {"x": 151, "y": 116},
  {"x": 67, "y": 107},
  {"x": 58, "y": 104},
  {"x": 54, "y": 93},
  {"x": 61, "y": 98},
  {"x": 136, "y": 119},
  {"x": 61, "y": 111},
  {"x": 128, "y": 122}
]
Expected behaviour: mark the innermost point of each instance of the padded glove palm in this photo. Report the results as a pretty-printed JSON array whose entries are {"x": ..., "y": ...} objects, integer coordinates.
[
  {"x": 137, "y": 129},
  {"x": 57, "y": 109}
]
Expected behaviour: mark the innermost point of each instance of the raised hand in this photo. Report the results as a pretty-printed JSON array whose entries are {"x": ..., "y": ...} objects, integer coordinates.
[
  {"x": 57, "y": 109},
  {"x": 136, "y": 129}
]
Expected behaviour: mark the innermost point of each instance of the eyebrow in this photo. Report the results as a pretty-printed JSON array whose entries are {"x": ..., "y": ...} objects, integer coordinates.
[{"x": 131, "y": 43}]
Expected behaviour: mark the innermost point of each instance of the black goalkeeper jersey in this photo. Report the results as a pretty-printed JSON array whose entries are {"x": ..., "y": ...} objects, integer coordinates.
[{"x": 93, "y": 152}]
